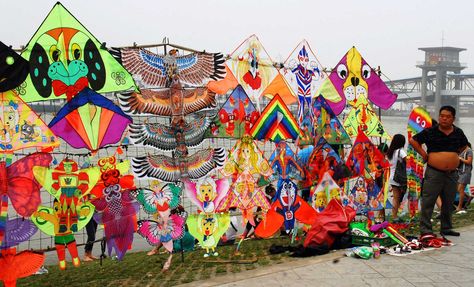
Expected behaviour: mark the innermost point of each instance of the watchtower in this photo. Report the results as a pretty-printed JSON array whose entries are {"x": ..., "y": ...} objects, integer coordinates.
[{"x": 440, "y": 60}]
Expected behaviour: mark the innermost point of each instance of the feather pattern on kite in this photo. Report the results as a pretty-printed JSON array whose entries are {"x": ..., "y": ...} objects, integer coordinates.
[
  {"x": 173, "y": 169},
  {"x": 14, "y": 266},
  {"x": 164, "y": 230},
  {"x": 17, "y": 230},
  {"x": 160, "y": 198},
  {"x": 158, "y": 102},
  {"x": 155, "y": 70},
  {"x": 163, "y": 137}
]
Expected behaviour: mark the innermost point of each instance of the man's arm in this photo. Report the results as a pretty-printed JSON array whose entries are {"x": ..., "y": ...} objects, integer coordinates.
[{"x": 419, "y": 149}]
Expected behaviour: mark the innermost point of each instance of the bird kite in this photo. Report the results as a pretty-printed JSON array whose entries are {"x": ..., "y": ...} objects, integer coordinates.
[{"x": 14, "y": 266}]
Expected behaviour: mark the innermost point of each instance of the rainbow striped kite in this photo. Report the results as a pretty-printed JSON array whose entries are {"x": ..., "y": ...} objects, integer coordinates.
[{"x": 276, "y": 122}]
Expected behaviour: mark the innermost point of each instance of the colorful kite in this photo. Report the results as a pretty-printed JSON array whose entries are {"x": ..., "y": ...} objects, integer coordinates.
[
  {"x": 363, "y": 117},
  {"x": 171, "y": 169},
  {"x": 418, "y": 120},
  {"x": 305, "y": 74},
  {"x": 288, "y": 208},
  {"x": 208, "y": 228},
  {"x": 326, "y": 190},
  {"x": 364, "y": 194},
  {"x": 117, "y": 210},
  {"x": 352, "y": 78},
  {"x": 90, "y": 121},
  {"x": 17, "y": 231},
  {"x": 280, "y": 87},
  {"x": 20, "y": 127},
  {"x": 283, "y": 162},
  {"x": 65, "y": 58},
  {"x": 152, "y": 70},
  {"x": 245, "y": 165},
  {"x": 319, "y": 159},
  {"x": 161, "y": 197},
  {"x": 326, "y": 123},
  {"x": 365, "y": 157},
  {"x": 14, "y": 266},
  {"x": 19, "y": 185},
  {"x": 70, "y": 187},
  {"x": 207, "y": 193},
  {"x": 173, "y": 101},
  {"x": 252, "y": 67},
  {"x": 163, "y": 137},
  {"x": 13, "y": 68},
  {"x": 276, "y": 123},
  {"x": 236, "y": 116}
]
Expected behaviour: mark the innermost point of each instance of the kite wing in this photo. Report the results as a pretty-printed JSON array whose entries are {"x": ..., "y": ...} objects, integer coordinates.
[
  {"x": 158, "y": 102},
  {"x": 13, "y": 68},
  {"x": 150, "y": 67},
  {"x": 163, "y": 137},
  {"x": 17, "y": 231},
  {"x": 14, "y": 266},
  {"x": 197, "y": 68}
]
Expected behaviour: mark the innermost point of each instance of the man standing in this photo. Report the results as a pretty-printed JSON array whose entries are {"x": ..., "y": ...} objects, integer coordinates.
[{"x": 444, "y": 142}]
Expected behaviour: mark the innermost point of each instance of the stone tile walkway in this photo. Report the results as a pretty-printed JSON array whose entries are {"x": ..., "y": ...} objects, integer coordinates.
[{"x": 448, "y": 266}]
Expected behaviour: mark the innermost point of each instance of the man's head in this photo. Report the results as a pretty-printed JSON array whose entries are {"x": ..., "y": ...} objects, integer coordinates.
[{"x": 447, "y": 114}]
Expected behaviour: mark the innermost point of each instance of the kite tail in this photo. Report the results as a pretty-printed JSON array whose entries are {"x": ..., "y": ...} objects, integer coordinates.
[
  {"x": 119, "y": 234},
  {"x": 3, "y": 216}
]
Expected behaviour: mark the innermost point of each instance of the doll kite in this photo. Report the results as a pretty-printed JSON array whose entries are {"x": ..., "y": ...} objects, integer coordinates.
[
  {"x": 208, "y": 228},
  {"x": 117, "y": 210},
  {"x": 207, "y": 193}
]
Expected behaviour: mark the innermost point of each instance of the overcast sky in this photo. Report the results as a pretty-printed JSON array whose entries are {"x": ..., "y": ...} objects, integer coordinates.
[{"x": 387, "y": 33}]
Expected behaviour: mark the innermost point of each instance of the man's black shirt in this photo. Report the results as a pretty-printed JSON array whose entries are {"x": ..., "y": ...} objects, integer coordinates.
[{"x": 437, "y": 141}]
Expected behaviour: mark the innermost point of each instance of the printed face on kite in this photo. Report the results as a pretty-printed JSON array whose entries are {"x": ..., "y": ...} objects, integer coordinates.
[
  {"x": 334, "y": 193},
  {"x": 287, "y": 193},
  {"x": 206, "y": 192},
  {"x": 208, "y": 225},
  {"x": 65, "y": 60},
  {"x": 320, "y": 199},
  {"x": 418, "y": 121}
]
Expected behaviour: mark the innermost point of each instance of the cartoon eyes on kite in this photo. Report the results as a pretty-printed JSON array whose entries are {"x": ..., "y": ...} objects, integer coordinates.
[
  {"x": 76, "y": 51},
  {"x": 423, "y": 124},
  {"x": 54, "y": 53},
  {"x": 366, "y": 71},
  {"x": 342, "y": 71}
]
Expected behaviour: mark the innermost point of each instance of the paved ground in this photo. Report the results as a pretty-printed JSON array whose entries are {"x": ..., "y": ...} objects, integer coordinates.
[{"x": 448, "y": 266}]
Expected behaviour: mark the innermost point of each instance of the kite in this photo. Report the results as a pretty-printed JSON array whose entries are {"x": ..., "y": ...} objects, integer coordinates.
[
  {"x": 236, "y": 116},
  {"x": 252, "y": 67},
  {"x": 20, "y": 127},
  {"x": 365, "y": 157},
  {"x": 208, "y": 228},
  {"x": 14, "y": 266},
  {"x": 168, "y": 224},
  {"x": 90, "y": 121},
  {"x": 65, "y": 58},
  {"x": 326, "y": 124},
  {"x": 153, "y": 70},
  {"x": 71, "y": 211},
  {"x": 207, "y": 193},
  {"x": 171, "y": 169},
  {"x": 173, "y": 101},
  {"x": 13, "y": 68},
  {"x": 280, "y": 87},
  {"x": 363, "y": 117},
  {"x": 288, "y": 208},
  {"x": 17, "y": 231},
  {"x": 326, "y": 190},
  {"x": 351, "y": 78},
  {"x": 305, "y": 74},
  {"x": 245, "y": 165},
  {"x": 319, "y": 159},
  {"x": 364, "y": 194},
  {"x": 160, "y": 198},
  {"x": 164, "y": 137},
  {"x": 276, "y": 123},
  {"x": 283, "y": 162},
  {"x": 19, "y": 185},
  {"x": 418, "y": 120},
  {"x": 117, "y": 210}
]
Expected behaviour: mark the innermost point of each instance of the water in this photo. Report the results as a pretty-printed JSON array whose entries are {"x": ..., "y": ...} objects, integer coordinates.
[{"x": 398, "y": 125}]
